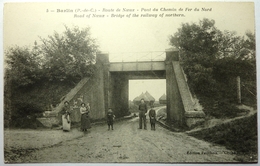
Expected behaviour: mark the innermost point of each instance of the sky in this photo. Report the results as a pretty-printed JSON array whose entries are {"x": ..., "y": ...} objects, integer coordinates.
[
  {"x": 156, "y": 87},
  {"x": 24, "y": 23}
]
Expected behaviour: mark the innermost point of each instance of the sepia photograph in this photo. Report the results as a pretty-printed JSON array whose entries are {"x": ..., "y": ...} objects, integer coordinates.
[{"x": 152, "y": 82}]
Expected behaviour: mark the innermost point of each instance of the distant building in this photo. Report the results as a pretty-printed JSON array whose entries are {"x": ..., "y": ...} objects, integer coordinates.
[
  {"x": 163, "y": 99},
  {"x": 148, "y": 98}
]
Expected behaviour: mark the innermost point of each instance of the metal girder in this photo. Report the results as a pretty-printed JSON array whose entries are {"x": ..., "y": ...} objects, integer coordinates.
[{"x": 137, "y": 66}]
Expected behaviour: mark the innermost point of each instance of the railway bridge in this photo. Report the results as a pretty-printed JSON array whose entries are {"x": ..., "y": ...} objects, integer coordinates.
[{"x": 109, "y": 87}]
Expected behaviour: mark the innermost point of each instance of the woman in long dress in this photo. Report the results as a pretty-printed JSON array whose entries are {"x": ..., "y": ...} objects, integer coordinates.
[
  {"x": 85, "y": 122},
  {"x": 66, "y": 116}
]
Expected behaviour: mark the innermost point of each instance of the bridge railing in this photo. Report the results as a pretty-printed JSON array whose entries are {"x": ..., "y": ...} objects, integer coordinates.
[{"x": 137, "y": 56}]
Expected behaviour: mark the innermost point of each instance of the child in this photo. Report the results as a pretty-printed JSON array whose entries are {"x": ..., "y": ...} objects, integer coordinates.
[
  {"x": 110, "y": 118},
  {"x": 152, "y": 115}
]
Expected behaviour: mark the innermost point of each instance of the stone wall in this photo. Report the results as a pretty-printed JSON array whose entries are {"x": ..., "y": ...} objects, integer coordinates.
[
  {"x": 88, "y": 90},
  {"x": 181, "y": 110},
  {"x": 119, "y": 94}
]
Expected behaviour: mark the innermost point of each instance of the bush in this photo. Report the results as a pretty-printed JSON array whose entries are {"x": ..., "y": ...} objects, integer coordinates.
[
  {"x": 24, "y": 114},
  {"x": 34, "y": 101},
  {"x": 219, "y": 108},
  {"x": 239, "y": 135}
]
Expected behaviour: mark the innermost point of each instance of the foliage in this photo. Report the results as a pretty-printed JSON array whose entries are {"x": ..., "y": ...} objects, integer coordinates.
[
  {"x": 221, "y": 109},
  {"x": 212, "y": 60},
  {"x": 38, "y": 77},
  {"x": 69, "y": 55},
  {"x": 238, "y": 135},
  {"x": 22, "y": 67}
]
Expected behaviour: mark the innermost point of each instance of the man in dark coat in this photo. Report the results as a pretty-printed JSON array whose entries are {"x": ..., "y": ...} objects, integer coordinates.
[
  {"x": 152, "y": 115},
  {"x": 142, "y": 114}
]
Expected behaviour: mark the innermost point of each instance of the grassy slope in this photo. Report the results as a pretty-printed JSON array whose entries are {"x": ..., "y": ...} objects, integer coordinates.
[{"x": 239, "y": 135}]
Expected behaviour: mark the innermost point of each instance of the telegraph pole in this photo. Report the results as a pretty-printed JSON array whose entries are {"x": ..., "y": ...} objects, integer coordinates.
[{"x": 238, "y": 90}]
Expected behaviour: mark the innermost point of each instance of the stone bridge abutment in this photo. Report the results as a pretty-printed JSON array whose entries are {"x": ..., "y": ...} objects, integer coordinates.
[
  {"x": 109, "y": 88},
  {"x": 180, "y": 104}
]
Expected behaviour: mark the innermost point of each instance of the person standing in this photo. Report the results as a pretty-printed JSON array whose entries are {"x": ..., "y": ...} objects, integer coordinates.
[
  {"x": 85, "y": 122},
  {"x": 110, "y": 119},
  {"x": 152, "y": 115},
  {"x": 142, "y": 114},
  {"x": 65, "y": 112}
]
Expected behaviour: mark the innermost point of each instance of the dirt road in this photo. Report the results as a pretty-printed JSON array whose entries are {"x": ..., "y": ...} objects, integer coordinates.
[{"x": 126, "y": 143}]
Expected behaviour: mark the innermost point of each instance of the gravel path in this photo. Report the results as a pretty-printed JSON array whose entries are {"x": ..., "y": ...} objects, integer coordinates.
[{"x": 124, "y": 144}]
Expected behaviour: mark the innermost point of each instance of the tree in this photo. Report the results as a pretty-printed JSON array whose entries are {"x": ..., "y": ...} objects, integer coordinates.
[
  {"x": 197, "y": 42},
  {"x": 212, "y": 59},
  {"x": 22, "y": 71},
  {"x": 69, "y": 56},
  {"x": 22, "y": 67},
  {"x": 39, "y": 76},
  {"x": 249, "y": 45},
  {"x": 236, "y": 47}
]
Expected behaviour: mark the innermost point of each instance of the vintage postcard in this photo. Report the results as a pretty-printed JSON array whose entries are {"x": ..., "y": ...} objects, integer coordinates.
[{"x": 130, "y": 82}]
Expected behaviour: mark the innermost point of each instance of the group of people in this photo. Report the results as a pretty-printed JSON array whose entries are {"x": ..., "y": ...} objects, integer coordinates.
[
  {"x": 84, "y": 111},
  {"x": 85, "y": 119},
  {"x": 142, "y": 116}
]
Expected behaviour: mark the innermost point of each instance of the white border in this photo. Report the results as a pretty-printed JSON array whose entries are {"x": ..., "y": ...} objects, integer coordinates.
[{"x": 257, "y": 26}]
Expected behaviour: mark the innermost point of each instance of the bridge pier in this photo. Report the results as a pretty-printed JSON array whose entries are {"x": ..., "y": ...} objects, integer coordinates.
[
  {"x": 119, "y": 93},
  {"x": 180, "y": 105},
  {"x": 102, "y": 63},
  {"x": 175, "y": 109}
]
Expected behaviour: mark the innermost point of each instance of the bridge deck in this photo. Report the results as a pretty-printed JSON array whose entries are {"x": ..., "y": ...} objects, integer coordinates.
[{"x": 137, "y": 66}]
